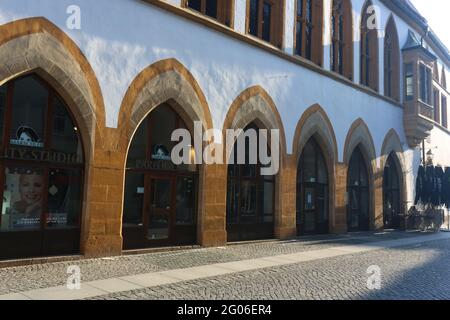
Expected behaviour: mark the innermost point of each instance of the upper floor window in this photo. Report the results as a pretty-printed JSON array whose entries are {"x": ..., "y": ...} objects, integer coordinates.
[
  {"x": 391, "y": 61},
  {"x": 435, "y": 72},
  {"x": 443, "y": 79},
  {"x": 369, "y": 47},
  {"x": 425, "y": 84},
  {"x": 341, "y": 38},
  {"x": 265, "y": 20},
  {"x": 220, "y": 10},
  {"x": 436, "y": 105},
  {"x": 308, "y": 30},
  {"x": 444, "y": 112},
  {"x": 409, "y": 82}
]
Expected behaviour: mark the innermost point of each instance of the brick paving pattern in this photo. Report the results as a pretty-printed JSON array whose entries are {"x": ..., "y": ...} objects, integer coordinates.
[{"x": 335, "y": 278}]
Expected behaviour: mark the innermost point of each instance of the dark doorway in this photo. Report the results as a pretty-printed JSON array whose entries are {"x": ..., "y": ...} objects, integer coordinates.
[
  {"x": 250, "y": 196},
  {"x": 391, "y": 194},
  {"x": 358, "y": 193},
  {"x": 160, "y": 207},
  {"x": 312, "y": 191}
]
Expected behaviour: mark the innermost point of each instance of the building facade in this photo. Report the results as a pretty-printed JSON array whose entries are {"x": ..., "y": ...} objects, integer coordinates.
[{"x": 90, "y": 92}]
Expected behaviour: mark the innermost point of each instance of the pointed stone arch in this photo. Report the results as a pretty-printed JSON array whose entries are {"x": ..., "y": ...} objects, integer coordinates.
[
  {"x": 316, "y": 124},
  {"x": 392, "y": 146},
  {"x": 169, "y": 81},
  {"x": 359, "y": 135},
  {"x": 255, "y": 105},
  {"x": 369, "y": 55},
  {"x": 36, "y": 45},
  {"x": 163, "y": 81},
  {"x": 315, "y": 121},
  {"x": 391, "y": 60}
]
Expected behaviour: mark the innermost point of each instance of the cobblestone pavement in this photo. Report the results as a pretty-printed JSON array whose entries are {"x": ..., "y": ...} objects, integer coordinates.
[
  {"x": 411, "y": 273},
  {"x": 19, "y": 279}
]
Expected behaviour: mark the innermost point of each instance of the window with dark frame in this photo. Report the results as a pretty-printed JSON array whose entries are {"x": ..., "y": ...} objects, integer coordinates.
[
  {"x": 312, "y": 190},
  {"x": 409, "y": 81},
  {"x": 265, "y": 20},
  {"x": 391, "y": 61},
  {"x": 437, "y": 106},
  {"x": 250, "y": 196},
  {"x": 444, "y": 112},
  {"x": 308, "y": 30},
  {"x": 424, "y": 84},
  {"x": 342, "y": 38},
  {"x": 42, "y": 164},
  {"x": 368, "y": 51},
  {"x": 443, "y": 79},
  {"x": 358, "y": 192},
  {"x": 221, "y": 10}
]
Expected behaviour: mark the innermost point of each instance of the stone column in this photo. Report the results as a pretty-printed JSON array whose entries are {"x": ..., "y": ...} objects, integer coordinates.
[
  {"x": 212, "y": 206},
  {"x": 341, "y": 198},
  {"x": 377, "y": 220},
  {"x": 102, "y": 222},
  {"x": 285, "y": 199}
]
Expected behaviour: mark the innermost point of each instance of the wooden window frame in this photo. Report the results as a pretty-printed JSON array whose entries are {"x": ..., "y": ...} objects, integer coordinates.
[
  {"x": 225, "y": 11},
  {"x": 405, "y": 77},
  {"x": 428, "y": 83},
  {"x": 342, "y": 43},
  {"x": 45, "y": 166},
  {"x": 369, "y": 63},
  {"x": 276, "y": 21},
  {"x": 259, "y": 180},
  {"x": 437, "y": 105},
  {"x": 391, "y": 61},
  {"x": 314, "y": 52},
  {"x": 443, "y": 79},
  {"x": 444, "y": 110}
]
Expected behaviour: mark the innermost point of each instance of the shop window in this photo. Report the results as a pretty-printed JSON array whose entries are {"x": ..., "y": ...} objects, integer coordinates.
[
  {"x": 391, "y": 194},
  {"x": 358, "y": 193},
  {"x": 342, "y": 38},
  {"x": 312, "y": 191},
  {"x": 160, "y": 202},
  {"x": 220, "y": 10},
  {"x": 391, "y": 61},
  {"x": 29, "y": 112},
  {"x": 425, "y": 84},
  {"x": 2, "y": 110},
  {"x": 250, "y": 196},
  {"x": 41, "y": 169},
  {"x": 265, "y": 20},
  {"x": 369, "y": 48},
  {"x": 134, "y": 199},
  {"x": 309, "y": 29}
]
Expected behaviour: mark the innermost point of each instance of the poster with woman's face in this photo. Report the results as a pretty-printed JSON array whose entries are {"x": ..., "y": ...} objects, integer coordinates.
[{"x": 23, "y": 199}]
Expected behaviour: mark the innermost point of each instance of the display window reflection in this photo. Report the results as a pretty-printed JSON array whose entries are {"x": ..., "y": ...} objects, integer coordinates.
[
  {"x": 64, "y": 198},
  {"x": 42, "y": 169},
  {"x": 23, "y": 199}
]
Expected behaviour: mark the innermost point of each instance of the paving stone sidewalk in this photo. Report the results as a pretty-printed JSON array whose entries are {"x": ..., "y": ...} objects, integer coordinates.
[
  {"x": 416, "y": 272},
  {"x": 26, "y": 278}
]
